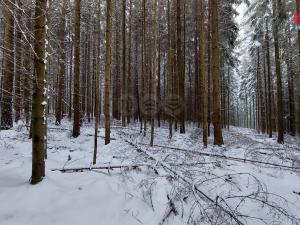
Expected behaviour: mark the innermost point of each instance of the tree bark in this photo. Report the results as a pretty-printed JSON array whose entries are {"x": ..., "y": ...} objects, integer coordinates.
[
  {"x": 27, "y": 74},
  {"x": 218, "y": 137},
  {"x": 154, "y": 70},
  {"x": 280, "y": 127},
  {"x": 39, "y": 95},
  {"x": 18, "y": 64},
  {"x": 269, "y": 72},
  {"x": 297, "y": 93},
  {"x": 129, "y": 101},
  {"x": 124, "y": 89},
  {"x": 97, "y": 85},
  {"x": 180, "y": 69},
  {"x": 62, "y": 60},
  {"x": 8, "y": 67},
  {"x": 107, "y": 72},
  {"x": 76, "y": 98},
  {"x": 202, "y": 72}
]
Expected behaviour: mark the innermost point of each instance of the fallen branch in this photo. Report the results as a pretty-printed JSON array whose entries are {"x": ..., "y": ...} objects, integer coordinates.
[
  {"x": 92, "y": 135},
  {"x": 82, "y": 169},
  {"x": 227, "y": 157},
  {"x": 186, "y": 180}
]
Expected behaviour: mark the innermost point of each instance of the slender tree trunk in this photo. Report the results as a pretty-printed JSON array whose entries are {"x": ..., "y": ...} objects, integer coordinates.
[
  {"x": 76, "y": 98},
  {"x": 39, "y": 98},
  {"x": 290, "y": 74},
  {"x": 218, "y": 137},
  {"x": 27, "y": 75},
  {"x": 170, "y": 70},
  {"x": 129, "y": 101},
  {"x": 297, "y": 79},
  {"x": 107, "y": 72},
  {"x": 209, "y": 67},
  {"x": 117, "y": 85},
  {"x": 18, "y": 64},
  {"x": 280, "y": 127},
  {"x": 88, "y": 78},
  {"x": 154, "y": 69},
  {"x": 124, "y": 89},
  {"x": 270, "y": 127},
  {"x": 158, "y": 89},
  {"x": 97, "y": 85},
  {"x": 8, "y": 67},
  {"x": 61, "y": 79},
  {"x": 202, "y": 72},
  {"x": 144, "y": 65},
  {"x": 70, "y": 70},
  {"x": 180, "y": 69}
]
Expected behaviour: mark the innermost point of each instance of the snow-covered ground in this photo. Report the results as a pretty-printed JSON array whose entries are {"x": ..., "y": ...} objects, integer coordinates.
[{"x": 173, "y": 183}]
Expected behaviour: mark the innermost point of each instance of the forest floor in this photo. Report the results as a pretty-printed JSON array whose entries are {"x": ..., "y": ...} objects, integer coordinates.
[{"x": 249, "y": 180}]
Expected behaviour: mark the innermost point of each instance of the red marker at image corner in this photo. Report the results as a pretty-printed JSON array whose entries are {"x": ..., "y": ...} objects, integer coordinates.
[{"x": 297, "y": 18}]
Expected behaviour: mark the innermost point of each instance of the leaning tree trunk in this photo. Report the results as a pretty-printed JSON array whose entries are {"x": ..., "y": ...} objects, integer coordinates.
[
  {"x": 107, "y": 73},
  {"x": 76, "y": 99},
  {"x": 39, "y": 98},
  {"x": 218, "y": 137},
  {"x": 8, "y": 67}
]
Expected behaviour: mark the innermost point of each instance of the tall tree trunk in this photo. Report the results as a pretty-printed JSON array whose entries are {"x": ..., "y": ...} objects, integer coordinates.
[
  {"x": 129, "y": 101},
  {"x": 144, "y": 65},
  {"x": 170, "y": 70},
  {"x": 8, "y": 67},
  {"x": 202, "y": 72},
  {"x": 61, "y": 79},
  {"x": 70, "y": 69},
  {"x": 88, "y": 76},
  {"x": 209, "y": 67},
  {"x": 180, "y": 69},
  {"x": 27, "y": 75},
  {"x": 154, "y": 70},
  {"x": 97, "y": 85},
  {"x": 297, "y": 79},
  {"x": 76, "y": 98},
  {"x": 124, "y": 89},
  {"x": 107, "y": 72},
  {"x": 39, "y": 98},
  {"x": 290, "y": 74},
  {"x": 158, "y": 89},
  {"x": 270, "y": 127},
  {"x": 18, "y": 64},
  {"x": 280, "y": 127},
  {"x": 218, "y": 137}
]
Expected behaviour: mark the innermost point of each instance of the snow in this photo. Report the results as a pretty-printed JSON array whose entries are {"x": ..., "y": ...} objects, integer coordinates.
[{"x": 140, "y": 196}]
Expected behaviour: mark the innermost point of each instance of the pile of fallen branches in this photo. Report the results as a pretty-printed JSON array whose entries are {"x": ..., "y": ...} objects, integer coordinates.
[{"x": 218, "y": 199}]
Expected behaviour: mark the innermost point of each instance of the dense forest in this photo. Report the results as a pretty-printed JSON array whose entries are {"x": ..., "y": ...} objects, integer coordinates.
[{"x": 215, "y": 78}]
